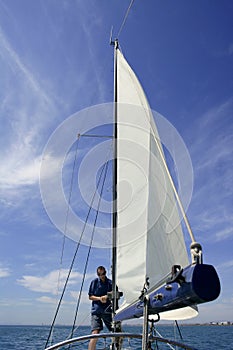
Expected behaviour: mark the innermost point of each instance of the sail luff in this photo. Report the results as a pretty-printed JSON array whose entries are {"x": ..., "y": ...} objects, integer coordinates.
[{"x": 114, "y": 187}]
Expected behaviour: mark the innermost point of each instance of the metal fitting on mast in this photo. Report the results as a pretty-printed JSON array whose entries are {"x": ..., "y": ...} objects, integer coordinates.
[
  {"x": 196, "y": 253},
  {"x": 113, "y": 42}
]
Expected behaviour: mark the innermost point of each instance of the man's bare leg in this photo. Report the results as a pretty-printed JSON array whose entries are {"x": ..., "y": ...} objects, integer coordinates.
[{"x": 92, "y": 343}]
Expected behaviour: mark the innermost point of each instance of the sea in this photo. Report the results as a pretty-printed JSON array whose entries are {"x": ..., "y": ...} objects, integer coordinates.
[{"x": 203, "y": 337}]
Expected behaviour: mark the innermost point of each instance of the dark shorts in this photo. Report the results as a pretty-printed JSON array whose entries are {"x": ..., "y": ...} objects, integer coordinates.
[{"x": 97, "y": 321}]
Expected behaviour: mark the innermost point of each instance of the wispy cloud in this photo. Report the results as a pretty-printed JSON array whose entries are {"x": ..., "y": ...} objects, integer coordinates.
[
  {"x": 47, "y": 300},
  {"x": 227, "y": 264},
  {"x": 49, "y": 282},
  {"x": 15, "y": 302},
  {"x": 224, "y": 234},
  {"x": 24, "y": 174},
  {"x": 15, "y": 63},
  {"x": 214, "y": 128},
  {"x": 212, "y": 200},
  {"x": 24, "y": 110}
]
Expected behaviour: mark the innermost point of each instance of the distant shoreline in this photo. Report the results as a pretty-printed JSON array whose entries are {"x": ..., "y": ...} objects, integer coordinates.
[{"x": 223, "y": 323}]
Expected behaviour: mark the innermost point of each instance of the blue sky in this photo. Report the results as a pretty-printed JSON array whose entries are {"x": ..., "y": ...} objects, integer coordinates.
[{"x": 55, "y": 60}]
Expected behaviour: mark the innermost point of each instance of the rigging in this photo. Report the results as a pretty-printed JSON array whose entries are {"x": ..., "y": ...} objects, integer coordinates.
[
  {"x": 125, "y": 18},
  {"x": 102, "y": 177}
]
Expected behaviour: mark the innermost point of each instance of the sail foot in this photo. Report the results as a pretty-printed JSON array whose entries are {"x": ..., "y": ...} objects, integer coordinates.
[{"x": 200, "y": 284}]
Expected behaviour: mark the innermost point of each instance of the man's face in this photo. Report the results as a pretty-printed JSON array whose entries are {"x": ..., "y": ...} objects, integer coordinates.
[{"x": 101, "y": 274}]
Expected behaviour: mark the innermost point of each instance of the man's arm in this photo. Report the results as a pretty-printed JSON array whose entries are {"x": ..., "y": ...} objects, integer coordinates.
[{"x": 103, "y": 298}]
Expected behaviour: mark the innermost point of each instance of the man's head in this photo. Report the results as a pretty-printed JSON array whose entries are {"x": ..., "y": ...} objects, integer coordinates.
[{"x": 101, "y": 272}]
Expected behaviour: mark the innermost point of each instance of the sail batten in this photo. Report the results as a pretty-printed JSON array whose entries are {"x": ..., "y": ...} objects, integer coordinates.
[{"x": 149, "y": 240}]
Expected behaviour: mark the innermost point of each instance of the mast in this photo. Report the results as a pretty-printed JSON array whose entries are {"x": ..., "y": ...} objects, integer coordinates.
[{"x": 114, "y": 194}]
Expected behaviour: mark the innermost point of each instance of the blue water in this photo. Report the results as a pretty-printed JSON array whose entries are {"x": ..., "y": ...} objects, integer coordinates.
[{"x": 34, "y": 337}]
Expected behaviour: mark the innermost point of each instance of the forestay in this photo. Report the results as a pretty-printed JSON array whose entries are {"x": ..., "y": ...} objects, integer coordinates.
[{"x": 149, "y": 236}]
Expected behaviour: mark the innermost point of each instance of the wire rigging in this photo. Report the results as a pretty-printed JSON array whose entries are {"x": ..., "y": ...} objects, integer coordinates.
[
  {"x": 50, "y": 336},
  {"x": 90, "y": 246},
  {"x": 78, "y": 243},
  {"x": 125, "y": 18},
  {"x": 67, "y": 212}
]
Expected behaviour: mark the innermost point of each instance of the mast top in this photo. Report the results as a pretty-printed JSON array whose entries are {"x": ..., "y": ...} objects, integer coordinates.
[{"x": 115, "y": 41}]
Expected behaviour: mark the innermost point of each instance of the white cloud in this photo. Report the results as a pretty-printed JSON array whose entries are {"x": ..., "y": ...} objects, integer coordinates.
[
  {"x": 26, "y": 173},
  {"x": 47, "y": 300},
  {"x": 49, "y": 282},
  {"x": 4, "y": 272},
  {"x": 50, "y": 300}
]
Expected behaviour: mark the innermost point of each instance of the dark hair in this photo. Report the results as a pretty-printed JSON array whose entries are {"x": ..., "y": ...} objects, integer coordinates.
[{"x": 101, "y": 268}]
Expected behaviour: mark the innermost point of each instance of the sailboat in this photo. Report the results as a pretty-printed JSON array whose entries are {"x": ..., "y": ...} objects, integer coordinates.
[{"x": 150, "y": 263}]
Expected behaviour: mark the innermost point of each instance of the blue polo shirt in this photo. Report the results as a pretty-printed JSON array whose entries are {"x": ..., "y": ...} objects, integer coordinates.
[{"x": 99, "y": 288}]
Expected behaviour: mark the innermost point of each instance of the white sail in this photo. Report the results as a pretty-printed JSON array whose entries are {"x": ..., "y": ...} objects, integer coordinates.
[
  {"x": 149, "y": 241},
  {"x": 179, "y": 314}
]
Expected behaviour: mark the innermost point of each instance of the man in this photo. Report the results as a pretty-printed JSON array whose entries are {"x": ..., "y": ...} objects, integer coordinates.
[{"x": 101, "y": 310}]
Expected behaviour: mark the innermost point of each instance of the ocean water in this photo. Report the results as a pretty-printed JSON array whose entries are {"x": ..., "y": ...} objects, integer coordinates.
[{"x": 34, "y": 337}]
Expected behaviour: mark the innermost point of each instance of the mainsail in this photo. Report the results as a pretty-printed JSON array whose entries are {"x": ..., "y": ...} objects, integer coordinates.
[{"x": 149, "y": 235}]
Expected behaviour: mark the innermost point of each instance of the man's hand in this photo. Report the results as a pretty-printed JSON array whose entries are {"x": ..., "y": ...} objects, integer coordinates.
[{"x": 104, "y": 299}]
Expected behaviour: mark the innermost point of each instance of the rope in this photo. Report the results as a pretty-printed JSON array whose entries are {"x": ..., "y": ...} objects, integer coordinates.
[
  {"x": 125, "y": 18},
  {"x": 65, "y": 230},
  {"x": 160, "y": 335},
  {"x": 177, "y": 326},
  {"x": 67, "y": 212},
  {"x": 89, "y": 250},
  {"x": 71, "y": 186},
  {"x": 75, "y": 254}
]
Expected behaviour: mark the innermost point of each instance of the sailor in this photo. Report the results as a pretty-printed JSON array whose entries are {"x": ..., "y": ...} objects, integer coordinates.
[{"x": 101, "y": 310}]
